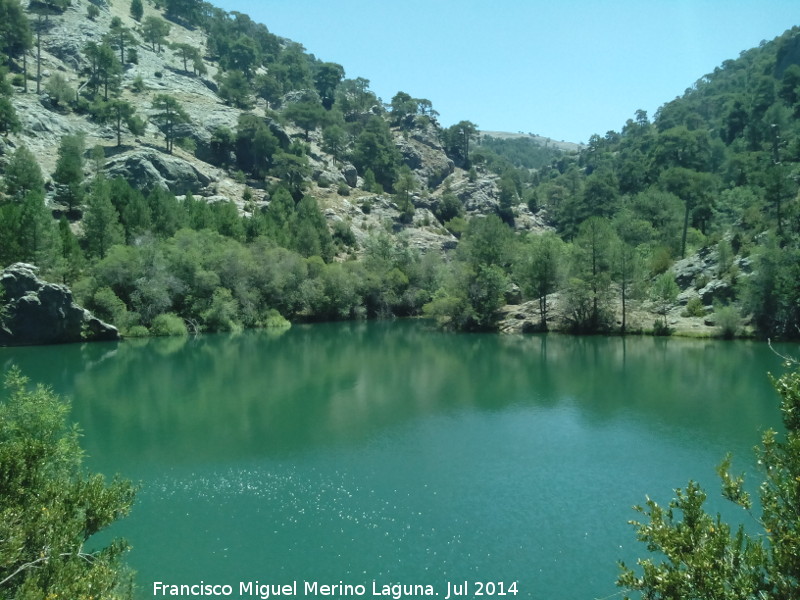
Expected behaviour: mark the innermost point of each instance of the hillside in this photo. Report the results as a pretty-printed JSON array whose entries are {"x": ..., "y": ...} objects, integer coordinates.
[
  {"x": 181, "y": 168},
  {"x": 192, "y": 167}
]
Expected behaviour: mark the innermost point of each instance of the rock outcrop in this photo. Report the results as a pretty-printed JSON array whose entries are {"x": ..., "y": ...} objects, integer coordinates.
[
  {"x": 33, "y": 311},
  {"x": 148, "y": 169}
]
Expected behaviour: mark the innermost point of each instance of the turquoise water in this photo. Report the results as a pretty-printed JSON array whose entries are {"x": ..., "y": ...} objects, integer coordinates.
[{"x": 395, "y": 454}]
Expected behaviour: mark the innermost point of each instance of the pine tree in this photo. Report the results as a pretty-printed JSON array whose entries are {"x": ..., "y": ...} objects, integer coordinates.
[
  {"x": 137, "y": 10},
  {"x": 50, "y": 507},
  {"x": 101, "y": 224},
  {"x": 170, "y": 115},
  {"x": 68, "y": 175}
]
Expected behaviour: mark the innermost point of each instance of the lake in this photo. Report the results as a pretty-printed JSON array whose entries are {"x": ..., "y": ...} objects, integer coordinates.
[{"x": 390, "y": 453}]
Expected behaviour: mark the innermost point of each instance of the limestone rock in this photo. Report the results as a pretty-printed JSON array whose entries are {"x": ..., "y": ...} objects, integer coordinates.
[
  {"x": 424, "y": 154},
  {"x": 37, "y": 312},
  {"x": 350, "y": 175},
  {"x": 148, "y": 169}
]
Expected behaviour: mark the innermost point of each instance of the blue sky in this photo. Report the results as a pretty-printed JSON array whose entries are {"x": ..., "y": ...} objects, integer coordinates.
[{"x": 564, "y": 68}]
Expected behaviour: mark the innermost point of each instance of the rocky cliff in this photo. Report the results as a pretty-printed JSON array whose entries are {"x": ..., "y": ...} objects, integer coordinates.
[{"x": 33, "y": 311}]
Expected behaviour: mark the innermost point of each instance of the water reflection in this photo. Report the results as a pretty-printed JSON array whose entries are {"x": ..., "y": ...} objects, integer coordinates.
[
  {"x": 390, "y": 450},
  {"x": 255, "y": 394}
]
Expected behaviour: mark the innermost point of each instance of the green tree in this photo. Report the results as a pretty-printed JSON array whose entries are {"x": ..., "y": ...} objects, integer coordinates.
[
  {"x": 294, "y": 171},
  {"x": 137, "y": 10},
  {"x": 664, "y": 293},
  {"x": 22, "y": 175},
  {"x": 104, "y": 67},
  {"x": 701, "y": 556},
  {"x": 119, "y": 112},
  {"x": 307, "y": 114},
  {"x": 592, "y": 266},
  {"x": 406, "y": 185},
  {"x": 235, "y": 89},
  {"x": 327, "y": 78},
  {"x": 50, "y": 507},
  {"x": 255, "y": 145},
  {"x": 69, "y": 258},
  {"x": 15, "y": 30},
  {"x": 187, "y": 52},
  {"x": 268, "y": 87},
  {"x": 696, "y": 189},
  {"x": 155, "y": 30},
  {"x": 404, "y": 107},
  {"x": 9, "y": 122},
  {"x": 508, "y": 198},
  {"x": 538, "y": 268},
  {"x": 61, "y": 93},
  {"x": 334, "y": 141},
  {"x": 169, "y": 114},
  {"x": 374, "y": 149},
  {"x": 627, "y": 272},
  {"x": 242, "y": 56},
  {"x": 101, "y": 224},
  {"x": 353, "y": 98},
  {"x": 470, "y": 298},
  {"x": 457, "y": 140},
  {"x": 68, "y": 175},
  {"x": 772, "y": 292},
  {"x": 187, "y": 11},
  {"x": 311, "y": 234},
  {"x": 27, "y": 227},
  {"x": 119, "y": 37}
]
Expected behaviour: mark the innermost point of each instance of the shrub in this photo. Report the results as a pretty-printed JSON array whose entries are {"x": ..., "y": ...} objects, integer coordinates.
[
  {"x": 694, "y": 308},
  {"x": 457, "y": 226},
  {"x": 727, "y": 320},
  {"x": 168, "y": 324},
  {"x": 343, "y": 189},
  {"x": 187, "y": 143},
  {"x": 137, "y": 331},
  {"x": 138, "y": 85},
  {"x": 696, "y": 554},
  {"x": 51, "y": 507},
  {"x": 60, "y": 91},
  {"x": 660, "y": 328},
  {"x": 274, "y": 320},
  {"x": 343, "y": 234}
]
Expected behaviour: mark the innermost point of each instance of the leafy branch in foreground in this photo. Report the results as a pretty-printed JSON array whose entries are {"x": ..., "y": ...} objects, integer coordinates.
[
  {"x": 702, "y": 557},
  {"x": 50, "y": 508}
]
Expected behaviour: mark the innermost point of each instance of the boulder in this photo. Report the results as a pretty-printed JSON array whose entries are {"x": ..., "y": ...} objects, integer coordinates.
[
  {"x": 37, "y": 312},
  {"x": 148, "y": 169},
  {"x": 350, "y": 175}
]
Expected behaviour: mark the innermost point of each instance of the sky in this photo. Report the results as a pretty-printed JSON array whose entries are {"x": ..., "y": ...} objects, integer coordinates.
[{"x": 564, "y": 69}]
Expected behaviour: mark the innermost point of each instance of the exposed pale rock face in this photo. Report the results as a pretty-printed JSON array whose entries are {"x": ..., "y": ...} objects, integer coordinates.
[
  {"x": 148, "y": 169},
  {"x": 424, "y": 154},
  {"x": 37, "y": 312}
]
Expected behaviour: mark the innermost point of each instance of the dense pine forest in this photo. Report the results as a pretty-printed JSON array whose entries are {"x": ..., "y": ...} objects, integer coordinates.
[{"x": 182, "y": 168}]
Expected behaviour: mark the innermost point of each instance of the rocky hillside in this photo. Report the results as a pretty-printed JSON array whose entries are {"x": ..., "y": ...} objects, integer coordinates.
[
  {"x": 144, "y": 162},
  {"x": 206, "y": 174}
]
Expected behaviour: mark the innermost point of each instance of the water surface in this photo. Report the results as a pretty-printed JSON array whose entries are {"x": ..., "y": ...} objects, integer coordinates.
[{"x": 394, "y": 453}]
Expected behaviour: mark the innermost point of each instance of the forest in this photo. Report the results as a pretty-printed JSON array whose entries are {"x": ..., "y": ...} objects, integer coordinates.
[{"x": 714, "y": 172}]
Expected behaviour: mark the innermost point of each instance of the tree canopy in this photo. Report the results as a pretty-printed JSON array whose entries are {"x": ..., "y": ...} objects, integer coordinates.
[{"x": 50, "y": 508}]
